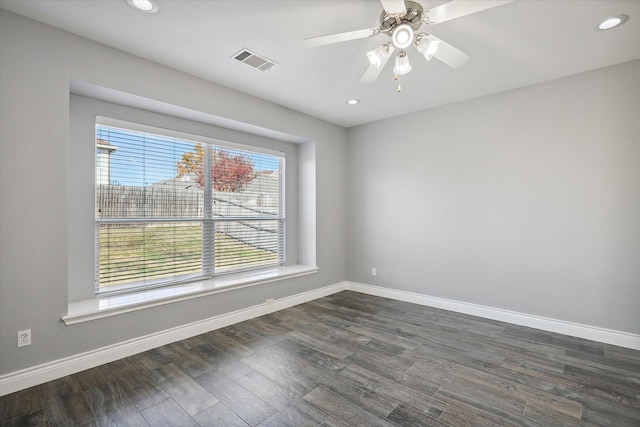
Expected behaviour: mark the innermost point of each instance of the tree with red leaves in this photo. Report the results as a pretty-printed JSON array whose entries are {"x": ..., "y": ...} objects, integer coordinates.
[{"x": 230, "y": 172}]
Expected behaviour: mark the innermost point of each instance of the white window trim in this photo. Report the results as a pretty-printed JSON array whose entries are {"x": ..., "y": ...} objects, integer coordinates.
[
  {"x": 113, "y": 305},
  {"x": 189, "y": 136}
]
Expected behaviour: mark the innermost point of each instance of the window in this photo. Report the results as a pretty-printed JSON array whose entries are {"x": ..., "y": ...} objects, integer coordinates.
[{"x": 173, "y": 208}]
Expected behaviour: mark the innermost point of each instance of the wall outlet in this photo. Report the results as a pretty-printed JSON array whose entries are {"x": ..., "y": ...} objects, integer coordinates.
[
  {"x": 269, "y": 301},
  {"x": 392, "y": 274},
  {"x": 374, "y": 271},
  {"x": 24, "y": 338}
]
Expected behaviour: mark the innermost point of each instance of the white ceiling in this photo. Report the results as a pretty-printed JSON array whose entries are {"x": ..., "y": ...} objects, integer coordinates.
[{"x": 514, "y": 45}]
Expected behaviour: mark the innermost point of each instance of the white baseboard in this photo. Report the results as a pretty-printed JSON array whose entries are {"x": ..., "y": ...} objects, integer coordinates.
[
  {"x": 29, "y": 377},
  {"x": 608, "y": 336}
]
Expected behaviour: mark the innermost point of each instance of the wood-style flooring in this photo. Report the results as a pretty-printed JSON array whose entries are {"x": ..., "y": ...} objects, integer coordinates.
[{"x": 350, "y": 360}]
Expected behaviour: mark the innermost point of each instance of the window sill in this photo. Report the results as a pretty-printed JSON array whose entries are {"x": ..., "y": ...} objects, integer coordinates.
[{"x": 97, "y": 308}]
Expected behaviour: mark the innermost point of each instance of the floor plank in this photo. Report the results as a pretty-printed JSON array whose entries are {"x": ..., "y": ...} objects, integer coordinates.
[
  {"x": 168, "y": 413},
  {"x": 344, "y": 409},
  {"x": 219, "y": 415},
  {"x": 183, "y": 389},
  {"x": 241, "y": 401},
  {"x": 110, "y": 406},
  {"x": 65, "y": 402},
  {"x": 405, "y": 415},
  {"x": 421, "y": 399}
]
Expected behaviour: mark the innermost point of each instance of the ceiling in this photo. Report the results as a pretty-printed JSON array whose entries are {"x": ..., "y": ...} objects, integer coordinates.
[{"x": 514, "y": 45}]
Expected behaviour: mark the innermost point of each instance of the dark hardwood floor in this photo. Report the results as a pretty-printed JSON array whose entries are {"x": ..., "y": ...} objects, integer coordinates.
[{"x": 350, "y": 360}]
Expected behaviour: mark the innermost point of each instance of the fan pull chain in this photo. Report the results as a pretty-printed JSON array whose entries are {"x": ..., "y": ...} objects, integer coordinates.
[{"x": 397, "y": 78}]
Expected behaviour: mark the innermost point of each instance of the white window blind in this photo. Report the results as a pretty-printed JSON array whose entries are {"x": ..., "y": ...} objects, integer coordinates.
[{"x": 170, "y": 210}]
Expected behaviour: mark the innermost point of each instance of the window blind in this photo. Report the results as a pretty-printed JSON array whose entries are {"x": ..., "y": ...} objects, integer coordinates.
[{"x": 170, "y": 210}]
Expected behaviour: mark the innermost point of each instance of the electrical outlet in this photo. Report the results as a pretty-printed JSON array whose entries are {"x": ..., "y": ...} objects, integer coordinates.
[
  {"x": 24, "y": 338},
  {"x": 392, "y": 274},
  {"x": 374, "y": 271},
  {"x": 269, "y": 301}
]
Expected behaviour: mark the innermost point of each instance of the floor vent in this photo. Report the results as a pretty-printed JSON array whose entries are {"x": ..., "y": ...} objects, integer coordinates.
[{"x": 254, "y": 60}]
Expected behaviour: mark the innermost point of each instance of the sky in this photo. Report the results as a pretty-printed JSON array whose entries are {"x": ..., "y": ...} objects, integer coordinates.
[{"x": 143, "y": 159}]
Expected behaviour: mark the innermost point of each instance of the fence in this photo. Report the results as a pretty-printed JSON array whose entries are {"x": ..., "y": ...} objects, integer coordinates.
[
  {"x": 120, "y": 201},
  {"x": 127, "y": 202}
]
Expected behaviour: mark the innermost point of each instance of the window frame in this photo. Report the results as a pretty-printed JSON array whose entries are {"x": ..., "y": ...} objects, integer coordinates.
[{"x": 208, "y": 220}]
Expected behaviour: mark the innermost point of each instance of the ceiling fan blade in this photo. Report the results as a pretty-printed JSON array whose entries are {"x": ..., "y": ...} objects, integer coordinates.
[
  {"x": 450, "y": 55},
  {"x": 394, "y": 7},
  {"x": 340, "y": 37},
  {"x": 372, "y": 72},
  {"x": 457, "y": 8}
]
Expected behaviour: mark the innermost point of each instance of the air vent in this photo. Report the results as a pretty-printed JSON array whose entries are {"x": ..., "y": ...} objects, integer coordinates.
[{"x": 254, "y": 60}]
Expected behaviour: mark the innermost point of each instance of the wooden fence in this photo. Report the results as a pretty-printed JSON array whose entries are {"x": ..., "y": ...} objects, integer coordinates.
[
  {"x": 121, "y": 201},
  {"x": 126, "y": 202}
]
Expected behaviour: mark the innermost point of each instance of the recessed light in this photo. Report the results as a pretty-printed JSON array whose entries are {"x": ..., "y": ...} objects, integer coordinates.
[
  {"x": 353, "y": 102},
  {"x": 149, "y": 6},
  {"x": 611, "y": 22}
]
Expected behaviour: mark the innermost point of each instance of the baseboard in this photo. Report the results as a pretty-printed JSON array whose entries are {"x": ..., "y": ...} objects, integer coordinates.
[
  {"x": 29, "y": 377},
  {"x": 608, "y": 336}
]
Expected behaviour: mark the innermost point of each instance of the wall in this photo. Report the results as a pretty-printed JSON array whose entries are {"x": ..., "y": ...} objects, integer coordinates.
[
  {"x": 37, "y": 65},
  {"x": 527, "y": 200}
]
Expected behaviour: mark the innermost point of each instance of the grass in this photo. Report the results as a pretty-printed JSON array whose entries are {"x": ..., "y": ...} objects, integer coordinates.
[{"x": 133, "y": 253}]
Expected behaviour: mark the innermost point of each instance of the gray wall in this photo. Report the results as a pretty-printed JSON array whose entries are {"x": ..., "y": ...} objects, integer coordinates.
[
  {"x": 527, "y": 200},
  {"x": 36, "y": 67}
]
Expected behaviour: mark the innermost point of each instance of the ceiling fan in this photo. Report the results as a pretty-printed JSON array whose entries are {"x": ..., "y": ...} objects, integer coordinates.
[{"x": 401, "y": 21}]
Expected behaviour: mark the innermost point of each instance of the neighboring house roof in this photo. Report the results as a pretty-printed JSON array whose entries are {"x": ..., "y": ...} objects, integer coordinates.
[
  {"x": 186, "y": 182},
  {"x": 263, "y": 183},
  {"x": 101, "y": 143}
]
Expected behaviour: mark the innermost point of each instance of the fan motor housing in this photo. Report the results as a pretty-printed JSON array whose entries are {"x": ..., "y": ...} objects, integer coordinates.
[{"x": 412, "y": 17}]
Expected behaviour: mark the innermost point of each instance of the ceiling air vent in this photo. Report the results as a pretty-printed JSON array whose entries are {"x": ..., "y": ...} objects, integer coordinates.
[{"x": 253, "y": 59}]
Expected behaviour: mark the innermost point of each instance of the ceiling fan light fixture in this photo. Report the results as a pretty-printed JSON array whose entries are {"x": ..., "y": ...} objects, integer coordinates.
[
  {"x": 378, "y": 56},
  {"x": 402, "y": 63},
  {"x": 402, "y": 36},
  {"x": 427, "y": 46}
]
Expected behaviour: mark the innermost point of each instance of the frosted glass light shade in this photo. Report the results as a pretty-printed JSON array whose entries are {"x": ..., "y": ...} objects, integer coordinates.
[
  {"x": 428, "y": 47},
  {"x": 378, "y": 55},
  {"x": 402, "y": 64}
]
